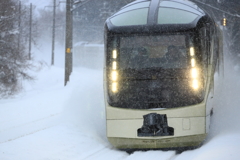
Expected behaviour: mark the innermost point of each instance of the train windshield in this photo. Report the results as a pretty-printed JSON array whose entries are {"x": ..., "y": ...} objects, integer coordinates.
[
  {"x": 159, "y": 71},
  {"x": 141, "y": 52}
]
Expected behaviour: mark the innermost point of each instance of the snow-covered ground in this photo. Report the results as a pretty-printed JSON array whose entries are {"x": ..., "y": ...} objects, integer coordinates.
[{"x": 51, "y": 122}]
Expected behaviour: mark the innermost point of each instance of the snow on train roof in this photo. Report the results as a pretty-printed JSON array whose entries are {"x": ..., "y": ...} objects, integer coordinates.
[{"x": 142, "y": 12}]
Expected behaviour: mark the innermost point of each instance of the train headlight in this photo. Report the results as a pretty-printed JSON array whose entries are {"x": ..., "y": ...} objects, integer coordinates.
[
  {"x": 114, "y": 87},
  {"x": 114, "y": 54},
  {"x": 194, "y": 73},
  {"x": 195, "y": 84},
  {"x": 114, "y": 65},
  {"x": 114, "y": 72},
  {"x": 193, "y": 62},
  {"x": 114, "y": 83},
  {"x": 192, "y": 52},
  {"x": 114, "y": 75},
  {"x": 195, "y": 78}
]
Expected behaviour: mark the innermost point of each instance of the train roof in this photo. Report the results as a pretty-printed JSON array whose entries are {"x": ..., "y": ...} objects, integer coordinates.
[{"x": 158, "y": 15}]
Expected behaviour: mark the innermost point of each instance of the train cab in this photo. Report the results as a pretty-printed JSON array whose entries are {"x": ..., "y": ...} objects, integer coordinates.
[{"x": 160, "y": 60}]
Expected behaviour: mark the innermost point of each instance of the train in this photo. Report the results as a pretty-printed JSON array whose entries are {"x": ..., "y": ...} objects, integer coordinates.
[{"x": 160, "y": 58}]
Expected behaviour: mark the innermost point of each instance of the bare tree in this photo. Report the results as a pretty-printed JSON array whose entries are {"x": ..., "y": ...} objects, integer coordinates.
[{"x": 45, "y": 23}]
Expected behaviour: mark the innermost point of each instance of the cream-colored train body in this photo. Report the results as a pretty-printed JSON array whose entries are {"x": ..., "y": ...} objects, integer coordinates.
[{"x": 153, "y": 100}]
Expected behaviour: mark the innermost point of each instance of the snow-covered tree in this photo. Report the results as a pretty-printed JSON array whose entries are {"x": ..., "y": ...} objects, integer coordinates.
[{"x": 13, "y": 60}]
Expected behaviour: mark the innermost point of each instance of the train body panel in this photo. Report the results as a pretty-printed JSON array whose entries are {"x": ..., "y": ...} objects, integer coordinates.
[
  {"x": 127, "y": 128},
  {"x": 168, "y": 143}
]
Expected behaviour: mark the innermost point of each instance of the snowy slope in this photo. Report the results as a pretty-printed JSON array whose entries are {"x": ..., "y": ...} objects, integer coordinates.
[{"x": 51, "y": 122}]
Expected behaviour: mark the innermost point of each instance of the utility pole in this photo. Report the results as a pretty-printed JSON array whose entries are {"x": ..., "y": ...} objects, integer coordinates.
[
  {"x": 68, "y": 43},
  {"x": 30, "y": 32},
  {"x": 19, "y": 26},
  {"x": 73, "y": 7},
  {"x": 69, "y": 37},
  {"x": 53, "y": 30},
  {"x": 71, "y": 34}
]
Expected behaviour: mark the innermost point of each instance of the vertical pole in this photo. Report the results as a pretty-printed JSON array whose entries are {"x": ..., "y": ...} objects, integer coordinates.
[
  {"x": 30, "y": 32},
  {"x": 53, "y": 30},
  {"x": 19, "y": 26},
  {"x": 71, "y": 35},
  {"x": 68, "y": 43}
]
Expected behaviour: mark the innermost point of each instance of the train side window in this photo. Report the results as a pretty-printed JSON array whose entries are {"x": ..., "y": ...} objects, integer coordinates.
[
  {"x": 212, "y": 50},
  {"x": 208, "y": 46},
  {"x": 213, "y": 46},
  {"x": 204, "y": 48}
]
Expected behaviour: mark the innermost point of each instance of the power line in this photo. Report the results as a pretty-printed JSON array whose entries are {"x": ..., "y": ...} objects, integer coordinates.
[{"x": 235, "y": 15}]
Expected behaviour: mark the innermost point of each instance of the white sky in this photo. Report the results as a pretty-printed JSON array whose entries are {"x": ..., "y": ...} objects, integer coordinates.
[{"x": 41, "y": 3}]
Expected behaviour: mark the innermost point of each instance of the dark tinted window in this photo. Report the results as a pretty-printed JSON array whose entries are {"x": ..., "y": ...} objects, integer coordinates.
[{"x": 139, "y": 52}]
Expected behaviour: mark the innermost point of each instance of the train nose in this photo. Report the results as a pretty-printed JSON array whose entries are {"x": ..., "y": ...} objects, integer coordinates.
[{"x": 155, "y": 125}]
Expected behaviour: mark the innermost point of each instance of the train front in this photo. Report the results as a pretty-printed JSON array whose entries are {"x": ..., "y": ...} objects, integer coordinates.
[{"x": 156, "y": 80}]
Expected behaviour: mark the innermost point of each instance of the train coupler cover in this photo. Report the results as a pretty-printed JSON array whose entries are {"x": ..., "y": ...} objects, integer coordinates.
[{"x": 155, "y": 125}]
